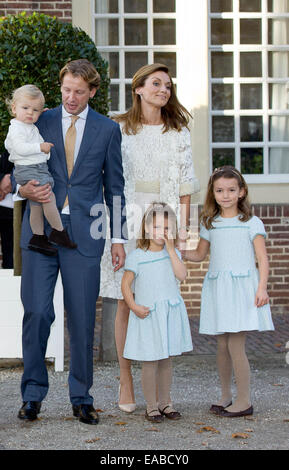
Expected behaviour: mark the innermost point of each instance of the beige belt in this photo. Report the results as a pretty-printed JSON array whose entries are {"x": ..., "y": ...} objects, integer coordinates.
[{"x": 147, "y": 186}]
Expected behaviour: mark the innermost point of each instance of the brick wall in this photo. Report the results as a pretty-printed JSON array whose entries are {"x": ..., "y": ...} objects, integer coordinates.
[
  {"x": 62, "y": 9},
  {"x": 276, "y": 220}
]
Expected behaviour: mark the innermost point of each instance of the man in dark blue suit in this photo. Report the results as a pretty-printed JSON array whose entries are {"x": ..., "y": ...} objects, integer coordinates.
[{"x": 97, "y": 171}]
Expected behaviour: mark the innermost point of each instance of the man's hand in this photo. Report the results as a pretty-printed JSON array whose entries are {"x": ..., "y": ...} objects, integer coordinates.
[
  {"x": 34, "y": 192},
  {"x": 5, "y": 186},
  {"x": 117, "y": 255}
]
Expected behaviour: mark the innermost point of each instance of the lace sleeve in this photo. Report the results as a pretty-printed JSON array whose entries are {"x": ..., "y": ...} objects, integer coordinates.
[{"x": 189, "y": 183}]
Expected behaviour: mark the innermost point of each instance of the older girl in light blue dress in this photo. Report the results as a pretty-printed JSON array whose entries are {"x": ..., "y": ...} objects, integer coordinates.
[
  {"x": 158, "y": 325},
  {"x": 234, "y": 294}
]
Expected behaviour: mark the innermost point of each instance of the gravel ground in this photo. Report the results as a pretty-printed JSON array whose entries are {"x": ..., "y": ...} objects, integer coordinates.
[{"x": 195, "y": 388}]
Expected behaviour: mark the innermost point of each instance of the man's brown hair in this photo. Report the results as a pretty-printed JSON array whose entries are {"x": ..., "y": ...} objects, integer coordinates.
[{"x": 84, "y": 69}]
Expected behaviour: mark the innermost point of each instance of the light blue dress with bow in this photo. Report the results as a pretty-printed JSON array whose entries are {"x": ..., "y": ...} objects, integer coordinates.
[
  {"x": 166, "y": 330},
  {"x": 230, "y": 285}
]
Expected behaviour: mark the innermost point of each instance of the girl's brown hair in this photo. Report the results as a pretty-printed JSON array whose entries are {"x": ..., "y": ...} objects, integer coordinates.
[
  {"x": 154, "y": 210},
  {"x": 174, "y": 115},
  {"x": 211, "y": 209}
]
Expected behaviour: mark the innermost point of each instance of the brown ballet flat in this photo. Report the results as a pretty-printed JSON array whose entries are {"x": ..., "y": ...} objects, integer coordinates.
[
  {"x": 218, "y": 408},
  {"x": 236, "y": 414},
  {"x": 154, "y": 418},
  {"x": 170, "y": 414}
]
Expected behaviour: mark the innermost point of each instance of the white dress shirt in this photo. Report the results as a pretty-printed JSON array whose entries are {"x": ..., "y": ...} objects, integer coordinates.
[
  {"x": 7, "y": 201},
  {"x": 79, "y": 126}
]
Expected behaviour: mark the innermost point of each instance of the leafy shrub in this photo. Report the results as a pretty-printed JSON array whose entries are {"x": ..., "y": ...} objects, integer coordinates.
[{"x": 33, "y": 49}]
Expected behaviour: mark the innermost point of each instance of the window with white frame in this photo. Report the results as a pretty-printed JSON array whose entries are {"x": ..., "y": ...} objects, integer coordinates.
[
  {"x": 130, "y": 34},
  {"x": 249, "y": 87}
]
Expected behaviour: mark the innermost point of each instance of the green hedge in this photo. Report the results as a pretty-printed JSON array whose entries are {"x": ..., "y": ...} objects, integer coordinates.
[{"x": 33, "y": 49}]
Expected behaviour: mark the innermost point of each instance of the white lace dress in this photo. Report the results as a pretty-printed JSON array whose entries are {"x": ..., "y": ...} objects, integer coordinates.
[{"x": 157, "y": 167}]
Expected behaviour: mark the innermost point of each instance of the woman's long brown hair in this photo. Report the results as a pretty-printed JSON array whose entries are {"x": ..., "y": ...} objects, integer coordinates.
[
  {"x": 174, "y": 115},
  {"x": 211, "y": 209}
]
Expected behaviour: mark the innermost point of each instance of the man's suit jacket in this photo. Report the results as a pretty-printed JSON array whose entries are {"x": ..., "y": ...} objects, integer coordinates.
[
  {"x": 97, "y": 172},
  {"x": 5, "y": 166}
]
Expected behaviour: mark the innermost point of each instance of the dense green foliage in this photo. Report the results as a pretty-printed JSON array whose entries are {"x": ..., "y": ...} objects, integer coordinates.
[{"x": 33, "y": 49}]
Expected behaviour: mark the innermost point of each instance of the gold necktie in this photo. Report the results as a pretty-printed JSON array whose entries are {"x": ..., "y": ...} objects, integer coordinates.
[{"x": 70, "y": 139}]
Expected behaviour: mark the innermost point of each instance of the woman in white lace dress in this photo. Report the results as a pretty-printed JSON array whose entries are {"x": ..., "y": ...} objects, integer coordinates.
[{"x": 157, "y": 166}]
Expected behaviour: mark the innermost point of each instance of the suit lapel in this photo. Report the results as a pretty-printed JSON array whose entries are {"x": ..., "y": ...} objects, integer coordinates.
[{"x": 57, "y": 135}]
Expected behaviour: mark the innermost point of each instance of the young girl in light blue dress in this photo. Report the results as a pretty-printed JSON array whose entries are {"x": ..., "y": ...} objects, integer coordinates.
[
  {"x": 234, "y": 294},
  {"x": 158, "y": 326}
]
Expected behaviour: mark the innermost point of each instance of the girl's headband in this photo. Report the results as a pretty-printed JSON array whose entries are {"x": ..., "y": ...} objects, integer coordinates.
[{"x": 221, "y": 170}]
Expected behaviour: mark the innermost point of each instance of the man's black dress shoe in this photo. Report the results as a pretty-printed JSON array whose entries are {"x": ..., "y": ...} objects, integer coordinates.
[
  {"x": 29, "y": 410},
  {"x": 85, "y": 413}
]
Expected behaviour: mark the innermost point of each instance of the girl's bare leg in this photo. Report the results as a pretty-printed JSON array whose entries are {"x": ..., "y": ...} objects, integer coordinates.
[
  {"x": 224, "y": 364},
  {"x": 126, "y": 382},
  {"x": 241, "y": 367}
]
